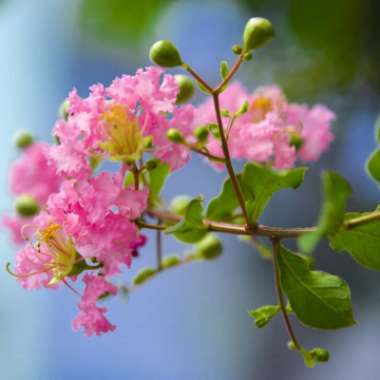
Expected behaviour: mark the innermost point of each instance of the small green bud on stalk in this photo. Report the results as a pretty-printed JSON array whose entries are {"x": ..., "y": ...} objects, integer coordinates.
[
  {"x": 179, "y": 204},
  {"x": 201, "y": 133},
  {"x": 27, "y": 206},
  {"x": 174, "y": 135},
  {"x": 63, "y": 110},
  {"x": 186, "y": 88},
  {"x": 170, "y": 261},
  {"x": 237, "y": 49},
  {"x": 292, "y": 346},
  {"x": 209, "y": 247},
  {"x": 151, "y": 164},
  {"x": 296, "y": 140},
  {"x": 320, "y": 354},
  {"x": 148, "y": 142},
  {"x": 22, "y": 139},
  {"x": 165, "y": 54},
  {"x": 143, "y": 275},
  {"x": 257, "y": 32}
]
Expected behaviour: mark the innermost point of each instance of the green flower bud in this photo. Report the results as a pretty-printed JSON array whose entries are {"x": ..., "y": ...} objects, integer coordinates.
[
  {"x": 25, "y": 205},
  {"x": 320, "y": 354},
  {"x": 95, "y": 161},
  {"x": 209, "y": 247},
  {"x": 201, "y": 133},
  {"x": 170, "y": 261},
  {"x": 63, "y": 110},
  {"x": 186, "y": 88},
  {"x": 143, "y": 275},
  {"x": 174, "y": 135},
  {"x": 237, "y": 49},
  {"x": 151, "y": 164},
  {"x": 165, "y": 54},
  {"x": 257, "y": 32},
  {"x": 292, "y": 346},
  {"x": 179, "y": 204},
  {"x": 214, "y": 129},
  {"x": 296, "y": 140},
  {"x": 148, "y": 142},
  {"x": 22, "y": 139}
]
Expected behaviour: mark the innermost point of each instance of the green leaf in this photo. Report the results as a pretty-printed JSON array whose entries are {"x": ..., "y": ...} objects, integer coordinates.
[
  {"x": 319, "y": 299},
  {"x": 336, "y": 192},
  {"x": 264, "y": 314},
  {"x": 224, "y": 204},
  {"x": 157, "y": 178},
  {"x": 191, "y": 228},
  {"x": 362, "y": 242},
  {"x": 373, "y": 165},
  {"x": 223, "y": 69},
  {"x": 262, "y": 182}
]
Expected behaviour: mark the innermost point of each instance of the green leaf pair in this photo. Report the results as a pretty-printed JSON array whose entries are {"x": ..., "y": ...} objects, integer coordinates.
[{"x": 258, "y": 184}]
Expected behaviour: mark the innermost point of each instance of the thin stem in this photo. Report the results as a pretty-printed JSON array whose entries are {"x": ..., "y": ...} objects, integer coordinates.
[
  {"x": 159, "y": 248},
  {"x": 235, "y": 229},
  {"x": 280, "y": 296},
  {"x": 230, "y": 169},
  {"x": 206, "y": 154},
  {"x": 362, "y": 220},
  {"x": 136, "y": 176},
  {"x": 229, "y": 76},
  {"x": 198, "y": 78}
]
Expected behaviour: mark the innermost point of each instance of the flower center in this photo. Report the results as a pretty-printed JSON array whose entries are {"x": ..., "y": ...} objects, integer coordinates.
[
  {"x": 260, "y": 107},
  {"x": 125, "y": 141},
  {"x": 62, "y": 250}
]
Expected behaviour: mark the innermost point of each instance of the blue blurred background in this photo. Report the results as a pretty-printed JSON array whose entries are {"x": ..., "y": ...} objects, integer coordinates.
[{"x": 192, "y": 322}]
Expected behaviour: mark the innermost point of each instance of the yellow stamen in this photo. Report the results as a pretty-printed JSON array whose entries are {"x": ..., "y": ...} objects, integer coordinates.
[
  {"x": 125, "y": 141},
  {"x": 261, "y": 106}
]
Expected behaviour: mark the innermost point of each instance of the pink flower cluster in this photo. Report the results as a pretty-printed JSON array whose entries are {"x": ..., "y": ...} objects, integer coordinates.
[
  {"x": 111, "y": 123},
  {"x": 31, "y": 175},
  {"x": 273, "y": 130},
  {"x": 86, "y": 228}
]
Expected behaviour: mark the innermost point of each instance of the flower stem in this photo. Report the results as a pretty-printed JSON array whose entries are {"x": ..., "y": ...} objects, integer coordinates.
[
  {"x": 280, "y": 296},
  {"x": 226, "y": 153},
  {"x": 159, "y": 248}
]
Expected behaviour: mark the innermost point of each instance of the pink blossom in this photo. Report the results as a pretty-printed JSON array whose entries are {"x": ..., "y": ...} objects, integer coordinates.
[
  {"x": 15, "y": 224},
  {"x": 31, "y": 267},
  {"x": 30, "y": 174},
  {"x": 112, "y": 123},
  {"x": 98, "y": 213},
  {"x": 264, "y": 133},
  {"x": 92, "y": 317}
]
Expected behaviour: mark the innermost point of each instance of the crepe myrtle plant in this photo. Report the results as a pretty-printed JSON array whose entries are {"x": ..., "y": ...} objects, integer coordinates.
[{"x": 79, "y": 225}]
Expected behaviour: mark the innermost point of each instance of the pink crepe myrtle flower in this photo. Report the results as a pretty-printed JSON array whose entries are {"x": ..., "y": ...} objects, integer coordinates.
[
  {"x": 30, "y": 174},
  {"x": 92, "y": 317},
  {"x": 98, "y": 213},
  {"x": 265, "y": 133},
  {"x": 48, "y": 258},
  {"x": 15, "y": 225},
  {"x": 119, "y": 122}
]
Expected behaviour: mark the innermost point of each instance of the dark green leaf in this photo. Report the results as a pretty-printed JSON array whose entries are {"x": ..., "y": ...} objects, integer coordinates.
[
  {"x": 157, "y": 177},
  {"x": 319, "y": 299},
  {"x": 191, "y": 228},
  {"x": 262, "y": 182},
  {"x": 264, "y": 314},
  {"x": 361, "y": 242},
  {"x": 373, "y": 165},
  {"x": 336, "y": 192}
]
